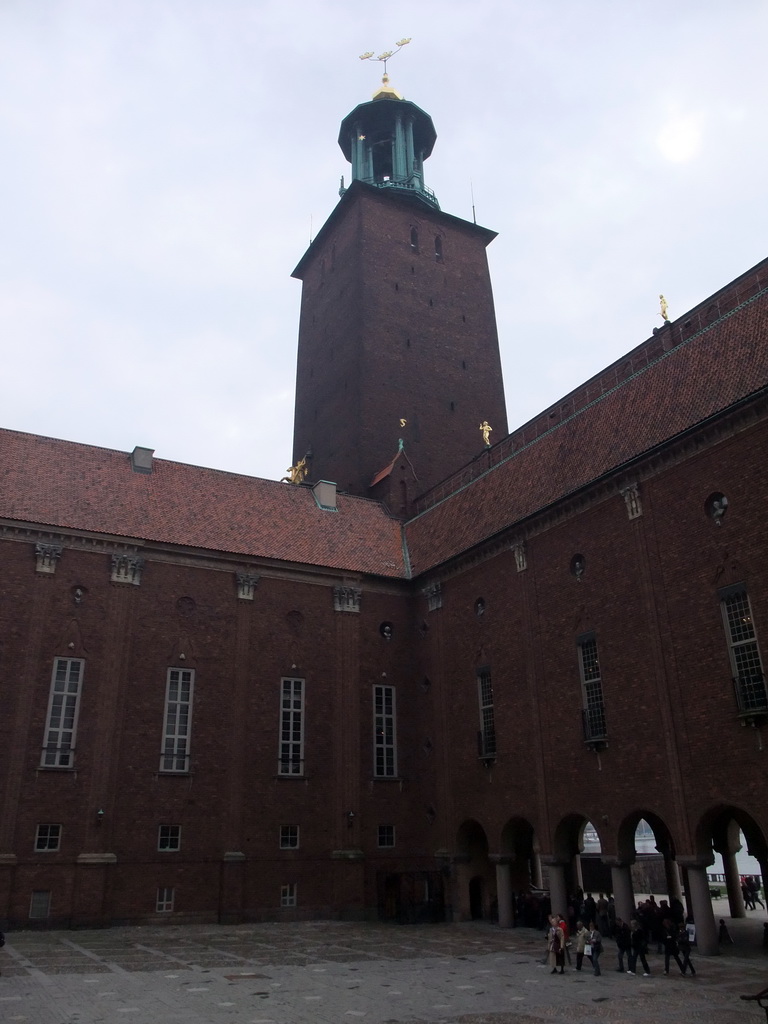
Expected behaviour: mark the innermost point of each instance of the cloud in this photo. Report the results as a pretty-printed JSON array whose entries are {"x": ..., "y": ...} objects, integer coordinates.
[{"x": 681, "y": 137}]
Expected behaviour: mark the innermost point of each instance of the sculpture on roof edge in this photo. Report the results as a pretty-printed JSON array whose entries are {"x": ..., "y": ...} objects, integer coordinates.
[
  {"x": 663, "y": 311},
  {"x": 296, "y": 474},
  {"x": 486, "y": 429}
]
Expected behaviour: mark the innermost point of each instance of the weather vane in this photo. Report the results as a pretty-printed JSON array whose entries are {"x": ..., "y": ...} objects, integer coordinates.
[{"x": 386, "y": 55}]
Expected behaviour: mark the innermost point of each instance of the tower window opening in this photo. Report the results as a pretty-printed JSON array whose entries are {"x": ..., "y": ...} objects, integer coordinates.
[
  {"x": 438, "y": 249},
  {"x": 414, "y": 240},
  {"x": 381, "y": 153}
]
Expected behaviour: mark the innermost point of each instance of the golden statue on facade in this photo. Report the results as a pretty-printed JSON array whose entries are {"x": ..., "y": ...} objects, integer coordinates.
[
  {"x": 296, "y": 474},
  {"x": 664, "y": 310},
  {"x": 486, "y": 429}
]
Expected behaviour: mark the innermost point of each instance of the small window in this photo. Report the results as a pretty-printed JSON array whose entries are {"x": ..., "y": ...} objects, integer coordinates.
[
  {"x": 289, "y": 837},
  {"x": 438, "y": 249},
  {"x": 169, "y": 837},
  {"x": 47, "y": 838},
  {"x": 164, "y": 901},
  {"x": 288, "y": 895},
  {"x": 40, "y": 905},
  {"x": 414, "y": 240},
  {"x": 386, "y": 835}
]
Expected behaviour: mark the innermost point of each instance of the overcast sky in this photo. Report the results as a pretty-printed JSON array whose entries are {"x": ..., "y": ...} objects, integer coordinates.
[{"x": 164, "y": 162}]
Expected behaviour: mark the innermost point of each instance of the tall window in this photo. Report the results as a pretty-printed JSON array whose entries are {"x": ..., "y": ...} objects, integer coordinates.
[
  {"x": 288, "y": 896},
  {"x": 291, "y": 758},
  {"x": 746, "y": 665},
  {"x": 592, "y": 686},
  {"x": 164, "y": 900},
  {"x": 384, "y": 746},
  {"x": 178, "y": 720},
  {"x": 61, "y": 724},
  {"x": 487, "y": 735}
]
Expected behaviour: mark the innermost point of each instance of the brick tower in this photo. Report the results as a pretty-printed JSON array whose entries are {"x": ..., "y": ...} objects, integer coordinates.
[{"x": 397, "y": 321}]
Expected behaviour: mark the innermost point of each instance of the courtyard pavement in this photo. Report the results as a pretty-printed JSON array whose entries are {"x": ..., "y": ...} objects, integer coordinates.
[{"x": 339, "y": 973}]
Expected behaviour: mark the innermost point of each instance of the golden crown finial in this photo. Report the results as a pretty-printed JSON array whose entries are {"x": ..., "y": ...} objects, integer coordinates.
[{"x": 384, "y": 57}]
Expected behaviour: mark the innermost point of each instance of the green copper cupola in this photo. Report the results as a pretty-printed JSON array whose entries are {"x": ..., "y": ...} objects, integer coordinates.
[{"x": 387, "y": 141}]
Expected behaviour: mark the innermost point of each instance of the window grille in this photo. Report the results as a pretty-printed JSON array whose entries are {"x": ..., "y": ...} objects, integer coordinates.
[
  {"x": 47, "y": 838},
  {"x": 61, "y": 723},
  {"x": 386, "y": 835},
  {"x": 289, "y": 837},
  {"x": 592, "y": 686},
  {"x": 288, "y": 896},
  {"x": 164, "y": 900},
  {"x": 384, "y": 746},
  {"x": 169, "y": 837},
  {"x": 40, "y": 905},
  {"x": 487, "y": 736},
  {"x": 291, "y": 755},
  {"x": 746, "y": 664},
  {"x": 178, "y": 720}
]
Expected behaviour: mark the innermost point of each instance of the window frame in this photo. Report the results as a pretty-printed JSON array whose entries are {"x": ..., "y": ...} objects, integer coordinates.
[
  {"x": 289, "y": 895},
  {"x": 487, "y": 733},
  {"x": 384, "y": 731},
  {"x": 167, "y": 836},
  {"x": 592, "y": 694},
  {"x": 47, "y": 839},
  {"x": 748, "y": 682},
  {"x": 289, "y": 837},
  {"x": 63, "y": 708},
  {"x": 385, "y": 831},
  {"x": 290, "y": 750},
  {"x": 165, "y": 903},
  {"x": 35, "y": 903},
  {"x": 177, "y": 737}
]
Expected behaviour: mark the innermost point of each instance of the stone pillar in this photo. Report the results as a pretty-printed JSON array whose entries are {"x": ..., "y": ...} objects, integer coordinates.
[
  {"x": 578, "y": 878},
  {"x": 558, "y": 894},
  {"x": 733, "y": 885},
  {"x": 623, "y": 895},
  {"x": 701, "y": 906},
  {"x": 504, "y": 891},
  {"x": 536, "y": 876},
  {"x": 674, "y": 889}
]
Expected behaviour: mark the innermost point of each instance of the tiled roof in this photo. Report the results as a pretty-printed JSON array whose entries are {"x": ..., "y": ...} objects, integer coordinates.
[
  {"x": 711, "y": 369},
  {"x": 66, "y": 485}
]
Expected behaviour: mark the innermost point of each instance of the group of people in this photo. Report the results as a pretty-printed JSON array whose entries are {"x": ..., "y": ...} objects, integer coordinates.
[
  {"x": 750, "y": 890},
  {"x": 661, "y": 923}
]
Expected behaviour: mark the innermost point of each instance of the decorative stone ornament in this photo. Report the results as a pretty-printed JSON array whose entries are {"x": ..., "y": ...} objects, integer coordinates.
[
  {"x": 346, "y": 599},
  {"x": 127, "y": 569},
  {"x": 434, "y": 596},
  {"x": 631, "y": 496},
  {"x": 521, "y": 556},
  {"x": 246, "y": 585},
  {"x": 47, "y": 556}
]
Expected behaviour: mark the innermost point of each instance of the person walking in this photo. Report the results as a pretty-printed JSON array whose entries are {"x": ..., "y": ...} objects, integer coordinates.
[
  {"x": 580, "y": 937},
  {"x": 623, "y": 943},
  {"x": 669, "y": 938},
  {"x": 684, "y": 945},
  {"x": 638, "y": 947},
  {"x": 566, "y": 937},
  {"x": 594, "y": 948},
  {"x": 555, "y": 946}
]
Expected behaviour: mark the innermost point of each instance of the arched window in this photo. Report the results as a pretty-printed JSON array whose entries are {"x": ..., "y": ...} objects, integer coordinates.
[{"x": 439, "y": 249}]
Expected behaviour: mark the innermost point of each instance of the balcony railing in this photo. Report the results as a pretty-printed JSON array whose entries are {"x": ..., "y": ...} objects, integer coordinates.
[
  {"x": 751, "y": 694},
  {"x": 486, "y": 744},
  {"x": 593, "y": 721}
]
